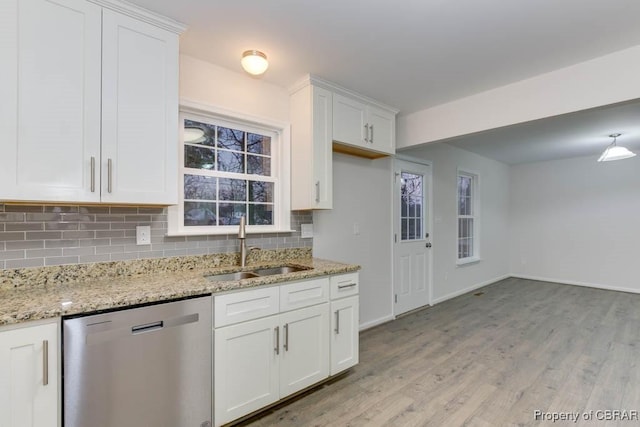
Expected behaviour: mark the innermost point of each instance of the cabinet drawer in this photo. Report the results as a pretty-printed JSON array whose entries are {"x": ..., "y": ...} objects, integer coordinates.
[
  {"x": 344, "y": 285},
  {"x": 304, "y": 294},
  {"x": 245, "y": 305}
]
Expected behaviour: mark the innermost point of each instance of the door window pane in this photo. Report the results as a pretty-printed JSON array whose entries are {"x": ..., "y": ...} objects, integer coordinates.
[{"x": 411, "y": 206}]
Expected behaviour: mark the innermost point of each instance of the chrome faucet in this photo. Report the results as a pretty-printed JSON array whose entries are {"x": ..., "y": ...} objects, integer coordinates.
[{"x": 242, "y": 235}]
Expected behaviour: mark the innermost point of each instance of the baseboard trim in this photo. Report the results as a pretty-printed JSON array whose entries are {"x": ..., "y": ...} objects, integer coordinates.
[
  {"x": 576, "y": 283},
  {"x": 372, "y": 323},
  {"x": 470, "y": 288}
]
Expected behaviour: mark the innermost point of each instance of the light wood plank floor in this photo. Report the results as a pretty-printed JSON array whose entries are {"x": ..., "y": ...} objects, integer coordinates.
[{"x": 487, "y": 360}]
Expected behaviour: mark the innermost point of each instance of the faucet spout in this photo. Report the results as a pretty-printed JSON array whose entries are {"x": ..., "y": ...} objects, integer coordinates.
[{"x": 242, "y": 235}]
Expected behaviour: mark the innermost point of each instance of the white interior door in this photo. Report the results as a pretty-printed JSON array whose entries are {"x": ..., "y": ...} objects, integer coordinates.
[{"x": 412, "y": 243}]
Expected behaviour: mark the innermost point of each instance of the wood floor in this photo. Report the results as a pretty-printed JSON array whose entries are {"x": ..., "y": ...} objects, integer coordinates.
[{"x": 488, "y": 360}]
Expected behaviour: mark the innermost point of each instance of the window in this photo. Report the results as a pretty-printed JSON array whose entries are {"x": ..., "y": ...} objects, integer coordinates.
[
  {"x": 467, "y": 218},
  {"x": 411, "y": 206},
  {"x": 230, "y": 168}
]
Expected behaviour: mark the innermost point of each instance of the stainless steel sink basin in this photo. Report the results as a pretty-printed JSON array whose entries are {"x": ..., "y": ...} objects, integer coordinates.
[
  {"x": 225, "y": 277},
  {"x": 278, "y": 270},
  {"x": 231, "y": 276}
]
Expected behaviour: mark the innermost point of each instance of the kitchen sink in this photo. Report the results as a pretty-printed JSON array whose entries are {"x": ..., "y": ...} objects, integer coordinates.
[
  {"x": 278, "y": 270},
  {"x": 255, "y": 273},
  {"x": 231, "y": 276}
]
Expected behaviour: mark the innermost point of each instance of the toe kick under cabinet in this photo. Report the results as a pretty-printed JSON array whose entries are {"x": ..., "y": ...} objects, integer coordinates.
[{"x": 272, "y": 342}]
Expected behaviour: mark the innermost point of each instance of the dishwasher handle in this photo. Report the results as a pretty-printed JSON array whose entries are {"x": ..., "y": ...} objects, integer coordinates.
[{"x": 147, "y": 327}]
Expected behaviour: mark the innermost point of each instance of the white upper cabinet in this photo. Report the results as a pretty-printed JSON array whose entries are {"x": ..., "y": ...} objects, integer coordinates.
[
  {"x": 83, "y": 88},
  {"x": 311, "y": 162},
  {"x": 50, "y": 81},
  {"x": 362, "y": 128},
  {"x": 139, "y": 112}
]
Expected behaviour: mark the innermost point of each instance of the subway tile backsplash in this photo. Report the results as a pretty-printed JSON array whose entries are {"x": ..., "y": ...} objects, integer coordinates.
[{"x": 43, "y": 235}]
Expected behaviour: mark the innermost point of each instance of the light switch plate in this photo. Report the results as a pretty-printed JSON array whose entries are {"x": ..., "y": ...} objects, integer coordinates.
[
  {"x": 306, "y": 231},
  {"x": 143, "y": 235}
]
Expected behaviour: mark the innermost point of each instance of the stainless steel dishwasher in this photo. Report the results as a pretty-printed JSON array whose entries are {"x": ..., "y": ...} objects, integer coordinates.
[{"x": 139, "y": 367}]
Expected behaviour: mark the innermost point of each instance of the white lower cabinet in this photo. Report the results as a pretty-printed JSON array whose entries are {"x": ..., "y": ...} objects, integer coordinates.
[
  {"x": 264, "y": 358},
  {"x": 29, "y": 384},
  {"x": 305, "y": 348},
  {"x": 345, "y": 322}
]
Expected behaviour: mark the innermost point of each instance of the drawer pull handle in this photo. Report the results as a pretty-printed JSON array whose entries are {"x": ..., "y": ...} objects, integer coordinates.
[
  {"x": 350, "y": 285},
  {"x": 45, "y": 362}
]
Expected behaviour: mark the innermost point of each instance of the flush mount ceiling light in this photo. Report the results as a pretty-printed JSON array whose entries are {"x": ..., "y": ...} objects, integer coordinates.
[
  {"x": 193, "y": 134},
  {"x": 614, "y": 151},
  {"x": 254, "y": 62}
]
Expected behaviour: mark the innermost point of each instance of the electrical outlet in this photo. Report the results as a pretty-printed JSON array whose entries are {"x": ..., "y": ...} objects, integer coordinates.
[
  {"x": 143, "y": 235},
  {"x": 306, "y": 231}
]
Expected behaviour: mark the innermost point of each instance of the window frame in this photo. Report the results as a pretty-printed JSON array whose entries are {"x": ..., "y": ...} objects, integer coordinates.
[
  {"x": 475, "y": 216},
  {"x": 280, "y": 170}
]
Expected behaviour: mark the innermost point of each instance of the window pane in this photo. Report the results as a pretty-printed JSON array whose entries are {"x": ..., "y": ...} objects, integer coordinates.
[
  {"x": 419, "y": 229},
  {"x": 230, "y": 161},
  {"x": 232, "y": 189},
  {"x": 199, "y": 213},
  {"x": 260, "y": 191},
  {"x": 230, "y": 213},
  {"x": 404, "y": 229},
  {"x": 260, "y": 214},
  {"x": 199, "y": 157},
  {"x": 199, "y": 187},
  {"x": 411, "y": 230},
  {"x": 199, "y": 133},
  {"x": 258, "y": 144},
  {"x": 231, "y": 139},
  {"x": 258, "y": 165}
]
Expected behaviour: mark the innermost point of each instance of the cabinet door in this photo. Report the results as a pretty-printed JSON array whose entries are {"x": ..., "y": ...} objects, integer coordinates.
[
  {"x": 140, "y": 112},
  {"x": 349, "y": 119},
  {"x": 311, "y": 158},
  {"x": 305, "y": 348},
  {"x": 344, "y": 334},
  {"x": 382, "y": 130},
  {"x": 50, "y": 103},
  {"x": 322, "y": 158},
  {"x": 246, "y": 367},
  {"x": 29, "y": 377}
]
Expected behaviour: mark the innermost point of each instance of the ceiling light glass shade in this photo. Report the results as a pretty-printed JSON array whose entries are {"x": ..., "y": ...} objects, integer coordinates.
[
  {"x": 193, "y": 134},
  {"x": 254, "y": 62},
  {"x": 614, "y": 152}
]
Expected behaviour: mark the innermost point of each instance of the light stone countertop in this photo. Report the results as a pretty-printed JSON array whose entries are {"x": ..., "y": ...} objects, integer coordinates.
[{"x": 124, "y": 284}]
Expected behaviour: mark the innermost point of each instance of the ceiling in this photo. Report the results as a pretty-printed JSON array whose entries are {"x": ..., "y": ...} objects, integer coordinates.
[
  {"x": 415, "y": 54},
  {"x": 585, "y": 133}
]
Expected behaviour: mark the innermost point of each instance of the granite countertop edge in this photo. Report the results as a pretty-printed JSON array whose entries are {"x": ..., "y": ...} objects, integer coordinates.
[{"x": 38, "y": 302}]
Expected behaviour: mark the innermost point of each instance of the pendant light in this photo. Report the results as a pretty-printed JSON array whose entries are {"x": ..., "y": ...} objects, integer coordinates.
[
  {"x": 254, "y": 62},
  {"x": 615, "y": 152}
]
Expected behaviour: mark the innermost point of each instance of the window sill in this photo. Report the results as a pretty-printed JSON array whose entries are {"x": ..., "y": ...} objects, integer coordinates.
[
  {"x": 467, "y": 261},
  {"x": 226, "y": 232}
]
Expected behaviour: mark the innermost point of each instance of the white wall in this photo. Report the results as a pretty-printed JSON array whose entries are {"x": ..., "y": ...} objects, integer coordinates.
[
  {"x": 362, "y": 194},
  {"x": 211, "y": 84},
  {"x": 601, "y": 81},
  {"x": 450, "y": 280},
  {"x": 577, "y": 221}
]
